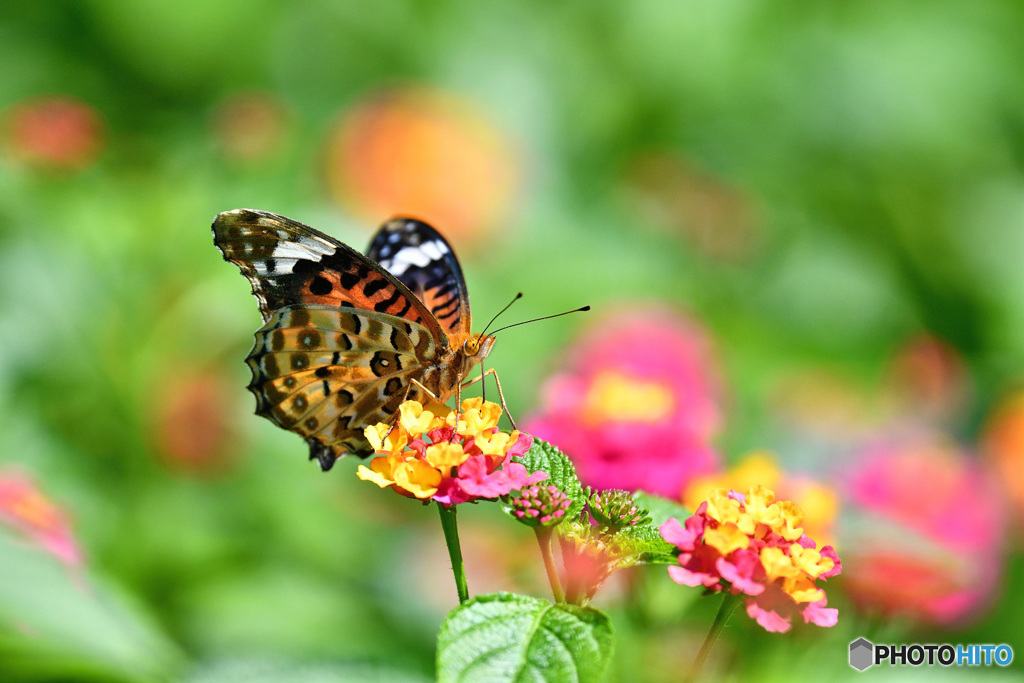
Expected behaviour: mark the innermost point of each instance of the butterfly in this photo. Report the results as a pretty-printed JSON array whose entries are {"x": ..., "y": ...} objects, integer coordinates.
[{"x": 346, "y": 337}]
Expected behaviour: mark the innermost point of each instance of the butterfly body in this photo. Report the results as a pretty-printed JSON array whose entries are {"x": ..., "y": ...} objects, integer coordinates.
[{"x": 344, "y": 341}]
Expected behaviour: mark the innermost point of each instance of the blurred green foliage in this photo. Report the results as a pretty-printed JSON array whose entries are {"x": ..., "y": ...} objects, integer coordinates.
[{"x": 867, "y": 156}]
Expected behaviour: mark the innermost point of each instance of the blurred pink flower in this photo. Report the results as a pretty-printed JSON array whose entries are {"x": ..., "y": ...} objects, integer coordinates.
[
  {"x": 924, "y": 532},
  {"x": 636, "y": 403},
  {"x": 27, "y": 510},
  {"x": 55, "y": 132}
]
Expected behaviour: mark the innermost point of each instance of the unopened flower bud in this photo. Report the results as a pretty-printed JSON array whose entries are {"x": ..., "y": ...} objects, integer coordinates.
[{"x": 540, "y": 505}]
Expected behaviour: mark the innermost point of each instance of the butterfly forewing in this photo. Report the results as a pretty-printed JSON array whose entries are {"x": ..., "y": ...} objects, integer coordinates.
[
  {"x": 425, "y": 262},
  {"x": 290, "y": 263},
  {"x": 344, "y": 342}
]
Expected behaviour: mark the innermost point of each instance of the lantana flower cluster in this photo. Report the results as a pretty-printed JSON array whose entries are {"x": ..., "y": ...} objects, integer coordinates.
[
  {"x": 429, "y": 456},
  {"x": 754, "y": 546}
]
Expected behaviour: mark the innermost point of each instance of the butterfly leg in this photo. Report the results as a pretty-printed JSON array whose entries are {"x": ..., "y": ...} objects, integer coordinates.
[
  {"x": 501, "y": 395},
  {"x": 458, "y": 407},
  {"x": 397, "y": 416},
  {"x": 433, "y": 396},
  {"x": 428, "y": 392}
]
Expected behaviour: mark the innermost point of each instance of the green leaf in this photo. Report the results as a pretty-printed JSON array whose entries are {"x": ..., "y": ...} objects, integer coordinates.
[
  {"x": 644, "y": 543},
  {"x": 516, "y": 638},
  {"x": 546, "y": 457},
  {"x": 661, "y": 508},
  {"x": 61, "y": 623}
]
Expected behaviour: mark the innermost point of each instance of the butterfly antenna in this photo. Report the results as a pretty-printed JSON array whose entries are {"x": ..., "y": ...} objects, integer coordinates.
[
  {"x": 547, "y": 317},
  {"x": 516, "y": 298}
]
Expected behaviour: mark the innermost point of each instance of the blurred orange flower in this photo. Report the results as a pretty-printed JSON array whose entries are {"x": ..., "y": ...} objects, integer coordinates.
[
  {"x": 193, "y": 427},
  {"x": 56, "y": 132},
  {"x": 26, "y": 509},
  {"x": 1003, "y": 445},
  {"x": 426, "y": 153}
]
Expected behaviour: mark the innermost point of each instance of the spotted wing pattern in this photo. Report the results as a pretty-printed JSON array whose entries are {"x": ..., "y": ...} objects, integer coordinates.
[
  {"x": 423, "y": 260},
  {"x": 326, "y": 372},
  {"x": 342, "y": 339}
]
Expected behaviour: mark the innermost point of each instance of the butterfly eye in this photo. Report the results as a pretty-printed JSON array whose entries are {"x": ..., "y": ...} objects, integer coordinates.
[{"x": 471, "y": 346}]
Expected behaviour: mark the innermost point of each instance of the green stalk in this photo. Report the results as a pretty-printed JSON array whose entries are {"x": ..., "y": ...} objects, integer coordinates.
[
  {"x": 544, "y": 534},
  {"x": 724, "y": 612},
  {"x": 450, "y": 526}
]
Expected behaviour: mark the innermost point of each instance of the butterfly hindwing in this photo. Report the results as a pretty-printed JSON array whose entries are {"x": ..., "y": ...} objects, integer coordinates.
[
  {"x": 425, "y": 262},
  {"x": 326, "y": 372}
]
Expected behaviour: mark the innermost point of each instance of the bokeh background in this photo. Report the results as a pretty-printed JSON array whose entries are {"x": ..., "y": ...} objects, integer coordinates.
[{"x": 800, "y": 226}]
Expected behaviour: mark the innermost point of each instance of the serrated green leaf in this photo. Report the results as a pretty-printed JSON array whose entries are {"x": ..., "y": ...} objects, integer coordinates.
[
  {"x": 661, "y": 509},
  {"x": 546, "y": 457},
  {"x": 511, "y": 638},
  {"x": 645, "y": 544}
]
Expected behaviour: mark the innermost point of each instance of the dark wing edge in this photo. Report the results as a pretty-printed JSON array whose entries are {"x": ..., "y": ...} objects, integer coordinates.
[{"x": 249, "y": 239}]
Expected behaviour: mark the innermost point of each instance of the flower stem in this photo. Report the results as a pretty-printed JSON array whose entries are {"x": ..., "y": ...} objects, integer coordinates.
[
  {"x": 450, "y": 526},
  {"x": 724, "y": 612},
  {"x": 544, "y": 534},
  {"x": 569, "y": 560}
]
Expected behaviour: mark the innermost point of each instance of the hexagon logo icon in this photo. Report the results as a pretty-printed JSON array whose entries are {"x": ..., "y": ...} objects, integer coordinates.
[{"x": 862, "y": 653}]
